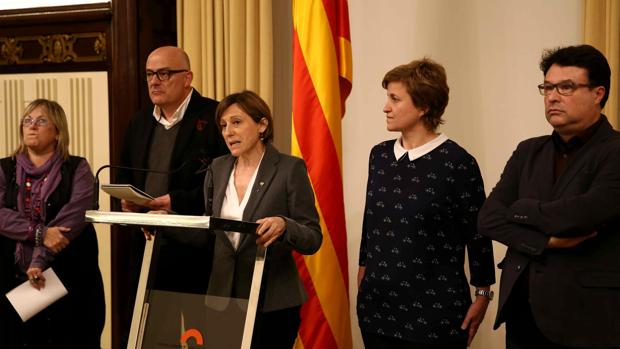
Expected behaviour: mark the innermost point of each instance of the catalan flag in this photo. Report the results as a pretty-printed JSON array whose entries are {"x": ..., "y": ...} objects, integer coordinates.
[{"x": 322, "y": 74}]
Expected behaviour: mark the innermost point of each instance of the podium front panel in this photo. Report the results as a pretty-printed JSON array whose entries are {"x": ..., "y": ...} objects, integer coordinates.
[
  {"x": 177, "y": 309},
  {"x": 174, "y": 306},
  {"x": 197, "y": 321}
]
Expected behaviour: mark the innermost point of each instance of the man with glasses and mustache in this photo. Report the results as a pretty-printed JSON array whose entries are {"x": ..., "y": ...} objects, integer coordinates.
[
  {"x": 556, "y": 209},
  {"x": 177, "y": 135}
]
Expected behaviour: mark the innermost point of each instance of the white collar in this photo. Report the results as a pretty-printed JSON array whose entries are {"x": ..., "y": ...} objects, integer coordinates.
[
  {"x": 420, "y": 151},
  {"x": 177, "y": 116}
]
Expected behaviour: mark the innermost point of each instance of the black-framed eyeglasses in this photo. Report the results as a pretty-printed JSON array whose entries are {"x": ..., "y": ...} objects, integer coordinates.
[
  {"x": 565, "y": 88},
  {"x": 28, "y": 122},
  {"x": 163, "y": 74}
]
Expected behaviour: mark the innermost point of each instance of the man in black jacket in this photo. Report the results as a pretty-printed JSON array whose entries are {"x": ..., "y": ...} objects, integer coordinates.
[
  {"x": 556, "y": 208},
  {"x": 178, "y": 135}
]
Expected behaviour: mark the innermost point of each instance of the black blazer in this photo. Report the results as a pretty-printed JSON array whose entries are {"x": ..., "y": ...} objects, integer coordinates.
[
  {"x": 281, "y": 188},
  {"x": 198, "y": 142},
  {"x": 574, "y": 293}
]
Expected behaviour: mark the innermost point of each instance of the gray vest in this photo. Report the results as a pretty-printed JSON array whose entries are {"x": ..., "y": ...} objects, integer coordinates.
[{"x": 160, "y": 155}]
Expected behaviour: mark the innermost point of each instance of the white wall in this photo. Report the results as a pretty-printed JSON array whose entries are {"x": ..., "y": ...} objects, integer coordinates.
[{"x": 490, "y": 49}]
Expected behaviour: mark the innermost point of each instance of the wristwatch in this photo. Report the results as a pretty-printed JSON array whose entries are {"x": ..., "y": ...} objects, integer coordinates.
[{"x": 484, "y": 293}]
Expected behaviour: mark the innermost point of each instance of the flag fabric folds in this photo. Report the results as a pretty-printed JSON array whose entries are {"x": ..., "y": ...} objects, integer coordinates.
[{"x": 322, "y": 75}]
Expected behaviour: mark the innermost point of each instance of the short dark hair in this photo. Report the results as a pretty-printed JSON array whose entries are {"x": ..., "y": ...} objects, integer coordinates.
[
  {"x": 253, "y": 105},
  {"x": 582, "y": 56},
  {"x": 427, "y": 85}
]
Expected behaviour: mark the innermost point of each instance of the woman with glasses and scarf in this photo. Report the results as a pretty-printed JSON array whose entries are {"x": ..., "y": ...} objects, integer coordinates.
[{"x": 44, "y": 192}]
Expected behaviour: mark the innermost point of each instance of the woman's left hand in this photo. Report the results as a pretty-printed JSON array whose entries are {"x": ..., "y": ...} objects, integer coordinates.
[
  {"x": 474, "y": 317},
  {"x": 55, "y": 239},
  {"x": 37, "y": 280},
  {"x": 269, "y": 229}
]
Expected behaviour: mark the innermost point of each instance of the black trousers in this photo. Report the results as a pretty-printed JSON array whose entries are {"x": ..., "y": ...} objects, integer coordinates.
[
  {"x": 376, "y": 341},
  {"x": 276, "y": 329},
  {"x": 52, "y": 328}
]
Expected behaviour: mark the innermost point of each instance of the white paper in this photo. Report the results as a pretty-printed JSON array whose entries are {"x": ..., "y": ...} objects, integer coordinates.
[
  {"x": 127, "y": 192},
  {"x": 28, "y": 301}
]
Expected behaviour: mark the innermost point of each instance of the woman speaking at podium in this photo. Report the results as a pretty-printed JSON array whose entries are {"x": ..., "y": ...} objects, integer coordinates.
[{"x": 259, "y": 184}]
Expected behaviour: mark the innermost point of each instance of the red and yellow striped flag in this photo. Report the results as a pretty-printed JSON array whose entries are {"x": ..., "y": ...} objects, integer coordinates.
[{"x": 321, "y": 82}]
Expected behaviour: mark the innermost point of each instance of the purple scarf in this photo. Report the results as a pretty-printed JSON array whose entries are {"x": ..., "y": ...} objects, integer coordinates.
[{"x": 45, "y": 180}]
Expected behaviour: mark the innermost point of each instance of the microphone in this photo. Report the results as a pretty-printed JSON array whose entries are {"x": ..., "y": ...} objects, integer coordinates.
[{"x": 96, "y": 182}]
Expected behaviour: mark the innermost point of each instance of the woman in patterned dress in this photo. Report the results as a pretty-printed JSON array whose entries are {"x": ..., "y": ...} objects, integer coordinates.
[{"x": 423, "y": 196}]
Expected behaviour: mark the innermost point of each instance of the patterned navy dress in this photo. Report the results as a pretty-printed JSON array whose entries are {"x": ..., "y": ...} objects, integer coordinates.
[{"x": 420, "y": 217}]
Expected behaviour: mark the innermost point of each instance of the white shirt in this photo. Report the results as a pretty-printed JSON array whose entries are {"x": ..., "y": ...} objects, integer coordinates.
[
  {"x": 177, "y": 116},
  {"x": 420, "y": 151},
  {"x": 231, "y": 207}
]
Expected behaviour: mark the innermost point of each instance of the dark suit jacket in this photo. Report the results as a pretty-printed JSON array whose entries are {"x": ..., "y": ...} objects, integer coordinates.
[
  {"x": 281, "y": 188},
  {"x": 198, "y": 142},
  {"x": 574, "y": 293}
]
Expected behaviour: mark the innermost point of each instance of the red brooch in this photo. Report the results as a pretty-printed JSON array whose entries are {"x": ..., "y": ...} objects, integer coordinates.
[{"x": 201, "y": 124}]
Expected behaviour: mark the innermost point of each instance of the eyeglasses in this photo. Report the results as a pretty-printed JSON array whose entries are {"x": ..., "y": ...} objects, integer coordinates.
[
  {"x": 28, "y": 122},
  {"x": 565, "y": 88},
  {"x": 162, "y": 74}
]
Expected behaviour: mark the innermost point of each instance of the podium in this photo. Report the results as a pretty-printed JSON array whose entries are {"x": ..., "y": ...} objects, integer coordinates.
[{"x": 176, "y": 318}]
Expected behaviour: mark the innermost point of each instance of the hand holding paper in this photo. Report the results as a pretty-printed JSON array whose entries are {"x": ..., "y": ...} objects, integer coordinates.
[
  {"x": 29, "y": 301},
  {"x": 36, "y": 278}
]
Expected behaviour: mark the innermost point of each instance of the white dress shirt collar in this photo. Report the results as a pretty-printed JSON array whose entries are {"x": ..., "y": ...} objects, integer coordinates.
[
  {"x": 177, "y": 116},
  {"x": 420, "y": 151}
]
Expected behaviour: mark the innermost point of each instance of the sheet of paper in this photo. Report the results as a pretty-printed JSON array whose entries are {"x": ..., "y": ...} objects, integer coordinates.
[
  {"x": 127, "y": 192},
  {"x": 28, "y": 301}
]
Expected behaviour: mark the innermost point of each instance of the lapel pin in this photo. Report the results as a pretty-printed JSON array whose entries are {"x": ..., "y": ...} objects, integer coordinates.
[{"x": 260, "y": 184}]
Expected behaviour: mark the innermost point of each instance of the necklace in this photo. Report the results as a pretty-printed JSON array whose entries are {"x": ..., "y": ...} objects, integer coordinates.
[{"x": 32, "y": 200}]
